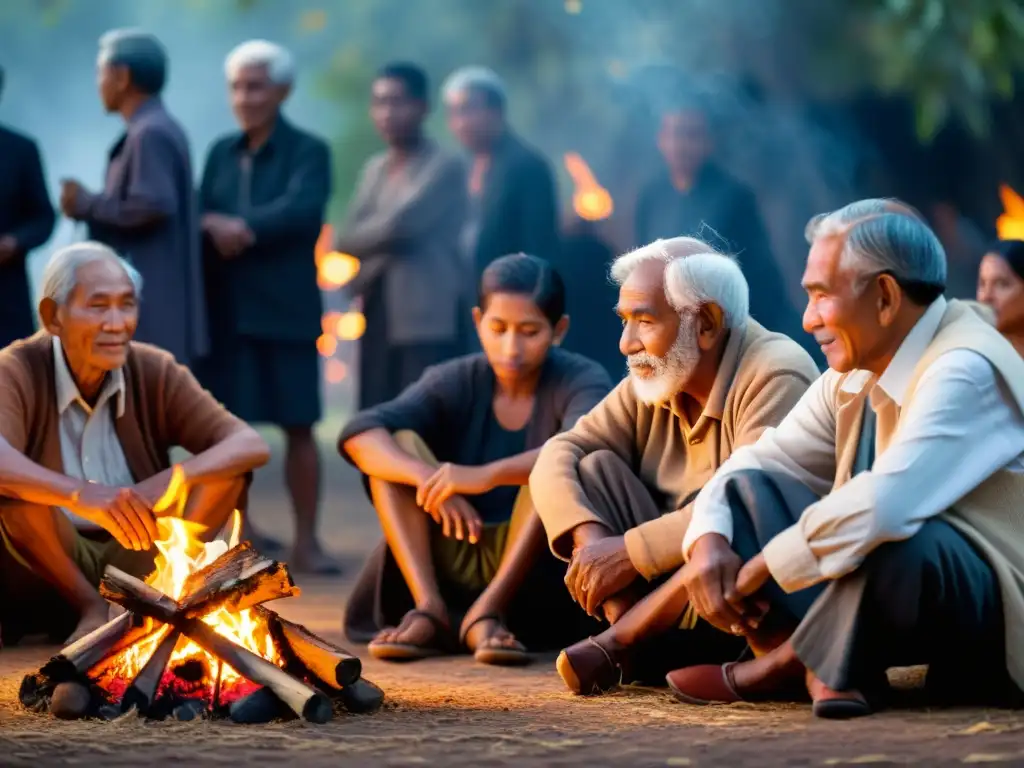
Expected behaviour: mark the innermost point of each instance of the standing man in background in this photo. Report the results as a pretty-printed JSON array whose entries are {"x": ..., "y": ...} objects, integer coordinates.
[
  {"x": 403, "y": 225},
  {"x": 147, "y": 208},
  {"x": 512, "y": 196},
  {"x": 693, "y": 194},
  {"x": 26, "y": 221},
  {"x": 263, "y": 195}
]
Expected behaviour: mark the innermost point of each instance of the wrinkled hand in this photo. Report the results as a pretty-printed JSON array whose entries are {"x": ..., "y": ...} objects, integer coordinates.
[
  {"x": 710, "y": 580},
  {"x": 8, "y": 247},
  {"x": 458, "y": 519},
  {"x": 73, "y": 197},
  {"x": 451, "y": 479},
  {"x": 598, "y": 571},
  {"x": 120, "y": 511},
  {"x": 230, "y": 235}
]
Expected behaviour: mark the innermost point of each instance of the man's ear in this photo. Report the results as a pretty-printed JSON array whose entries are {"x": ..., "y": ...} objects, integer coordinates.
[
  {"x": 561, "y": 328},
  {"x": 50, "y": 316},
  {"x": 710, "y": 324},
  {"x": 890, "y": 299}
]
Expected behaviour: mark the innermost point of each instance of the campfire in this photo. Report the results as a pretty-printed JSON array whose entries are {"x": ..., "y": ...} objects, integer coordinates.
[{"x": 197, "y": 640}]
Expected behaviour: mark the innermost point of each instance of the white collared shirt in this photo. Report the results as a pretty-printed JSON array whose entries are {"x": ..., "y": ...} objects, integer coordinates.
[
  {"x": 89, "y": 446},
  {"x": 962, "y": 426}
]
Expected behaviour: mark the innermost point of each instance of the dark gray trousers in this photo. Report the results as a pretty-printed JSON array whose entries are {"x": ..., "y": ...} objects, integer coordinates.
[
  {"x": 623, "y": 502},
  {"x": 930, "y": 599}
]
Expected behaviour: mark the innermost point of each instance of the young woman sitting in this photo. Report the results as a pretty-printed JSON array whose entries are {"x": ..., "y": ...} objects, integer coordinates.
[{"x": 447, "y": 464}]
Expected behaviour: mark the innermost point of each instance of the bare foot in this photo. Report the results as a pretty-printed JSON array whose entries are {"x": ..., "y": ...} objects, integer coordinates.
[
  {"x": 92, "y": 619},
  {"x": 821, "y": 692},
  {"x": 416, "y": 629},
  {"x": 491, "y": 633},
  {"x": 313, "y": 561}
]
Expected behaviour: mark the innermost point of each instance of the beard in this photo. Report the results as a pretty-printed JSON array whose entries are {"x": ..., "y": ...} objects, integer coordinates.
[{"x": 656, "y": 380}]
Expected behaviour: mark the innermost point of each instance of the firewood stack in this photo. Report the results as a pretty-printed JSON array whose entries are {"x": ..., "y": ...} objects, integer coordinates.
[{"x": 312, "y": 679}]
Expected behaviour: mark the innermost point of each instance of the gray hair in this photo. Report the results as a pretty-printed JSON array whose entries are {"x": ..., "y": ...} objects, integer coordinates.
[
  {"x": 61, "y": 273},
  {"x": 481, "y": 79},
  {"x": 695, "y": 274},
  {"x": 884, "y": 235},
  {"x": 262, "y": 53},
  {"x": 140, "y": 53}
]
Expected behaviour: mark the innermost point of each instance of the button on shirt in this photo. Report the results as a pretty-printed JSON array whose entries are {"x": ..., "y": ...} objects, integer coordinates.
[
  {"x": 961, "y": 427},
  {"x": 89, "y": 446}
]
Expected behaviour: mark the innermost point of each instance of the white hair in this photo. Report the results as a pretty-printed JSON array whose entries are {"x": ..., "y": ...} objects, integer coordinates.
[
  {"x": 884, "y": 235},
  {"x": 695, "y": 274},
  {"x": 474, "y": 79},
  {"x": 262, "y": 53},
  {"x": 61, "y": 273}
]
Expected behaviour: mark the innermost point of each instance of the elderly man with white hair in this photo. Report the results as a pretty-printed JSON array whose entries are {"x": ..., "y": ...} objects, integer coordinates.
[
  {"x": 879, "y": 524},
  {"x": 87, "y": 420},
  {"x": 615, "y": 492},
  {"x": 512, "y": 195},
  {"x": 263, "y": 197},
  {"x": 146, "y": 210}
]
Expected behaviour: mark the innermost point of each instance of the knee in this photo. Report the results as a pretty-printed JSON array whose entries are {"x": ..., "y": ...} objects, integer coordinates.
[
  {"x": 21, "y": 519},
  {"x": 597, "y": 467},
  {"x": 897, "y": 560}
]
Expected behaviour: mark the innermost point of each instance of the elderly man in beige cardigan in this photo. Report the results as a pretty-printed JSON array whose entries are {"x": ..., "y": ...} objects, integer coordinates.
[
  {"x": 614, "y": 492},
  {"x": 918, "y": 557}
]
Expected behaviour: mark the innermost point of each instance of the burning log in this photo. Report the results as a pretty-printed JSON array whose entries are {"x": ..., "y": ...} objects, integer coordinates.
[
  {"x": 228, "y": 572},
  {"x": 136, "y": 595},
  {"x": 329, "y": 663},
  {"x": 84, "y": 654},
  {"x": 304, "y": 701},
  {"x": 272, "y": 582},
  {"x": 142, "y": 692}
]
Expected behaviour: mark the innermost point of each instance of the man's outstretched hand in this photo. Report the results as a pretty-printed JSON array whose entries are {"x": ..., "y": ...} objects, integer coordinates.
[
  {"x": 121, "y": 511},
  {"x": 599, "y": 570}
]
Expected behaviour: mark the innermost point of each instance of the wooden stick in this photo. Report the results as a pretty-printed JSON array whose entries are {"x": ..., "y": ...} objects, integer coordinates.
[
  {"x": 270, "y": 583},
  {"x": 330, "y": 663},
  {"x": 142, "y": 692},
  {"x": 308, "y": 703},
  {"x": 231, "y": 568},
  {"x": 82, "y": 655},
  {"x": 136, "y": 595}
]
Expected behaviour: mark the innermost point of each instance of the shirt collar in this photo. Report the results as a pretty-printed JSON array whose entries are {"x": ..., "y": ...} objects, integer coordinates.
[
  {"x": 280, "y": 128},
  {"x": 67, "y": 390},
  {"x": 150, "y": 104},
  {"x": 898, "y": 374},
  {"x": 715, "y": 405}
]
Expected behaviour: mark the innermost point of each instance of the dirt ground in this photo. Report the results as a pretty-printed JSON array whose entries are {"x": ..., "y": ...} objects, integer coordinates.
[{"x": 453, "y": 712}]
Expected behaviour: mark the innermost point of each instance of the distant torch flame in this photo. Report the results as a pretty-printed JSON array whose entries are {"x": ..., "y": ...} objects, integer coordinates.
[
  {"x": 1010, "y": 226},
  {"x": 590, "y": 200},
  {"x": 333, "y": 268}
]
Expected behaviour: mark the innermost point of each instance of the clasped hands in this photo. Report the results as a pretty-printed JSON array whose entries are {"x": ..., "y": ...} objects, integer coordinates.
[
  {"x": 230, "y": 234},
  {"x": 442, "y": 496},
  {"x": 126, "y": 513},
  {"x": 722, "y": 589}
]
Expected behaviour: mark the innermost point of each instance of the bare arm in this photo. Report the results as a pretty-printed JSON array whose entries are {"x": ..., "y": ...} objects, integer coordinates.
[
  {"x": 376, "y": 454},
  {"x": 21, "y": 478},
  {"x": 514, "y": 470}
]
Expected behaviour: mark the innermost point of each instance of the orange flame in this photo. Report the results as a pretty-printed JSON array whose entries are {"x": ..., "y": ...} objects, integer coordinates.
[
  {"x": 181, "y": 552},
  {"x": 1010, "y": 226},
  {"x": 333, "y": 268},
  {"x": 590, "y": 200},
  {"x": 326, "y": 345}
]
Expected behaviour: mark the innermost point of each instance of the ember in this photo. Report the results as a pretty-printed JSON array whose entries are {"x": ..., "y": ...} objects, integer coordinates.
[{"x": 196, "y": 637}]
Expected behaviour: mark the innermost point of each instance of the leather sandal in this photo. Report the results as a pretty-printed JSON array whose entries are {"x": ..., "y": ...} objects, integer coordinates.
[
  {"x": 501, "y": 656},
  {"x": 704, "y": 684},
  {"x": 439, "y": 644},
  {"x": 588, "y": 668}
]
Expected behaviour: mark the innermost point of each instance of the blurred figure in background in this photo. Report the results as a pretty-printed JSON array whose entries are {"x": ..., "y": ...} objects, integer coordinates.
[
  {"x": 512, "y": 194},
  {"x": 403, "y": 225},
  {"x": 693, "y": 193},
  {"x": 263, "y": 195},
  {"x": 26, "y": 221},
  {"x": 147, "y": 208},
  {"x": 1001, "y": 287}
]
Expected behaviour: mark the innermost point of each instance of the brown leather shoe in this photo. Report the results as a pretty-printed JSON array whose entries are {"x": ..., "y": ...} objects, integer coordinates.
[
  {"x": 704, "y": 684},
  {"x": 589, "y": 668}
]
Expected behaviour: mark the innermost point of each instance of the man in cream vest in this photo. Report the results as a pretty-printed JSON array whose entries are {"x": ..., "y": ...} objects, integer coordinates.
[{"x": 880, "y": 524}]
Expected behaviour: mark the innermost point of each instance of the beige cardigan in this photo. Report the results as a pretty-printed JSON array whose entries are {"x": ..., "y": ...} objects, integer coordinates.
[{"x": 760, "y": 378}]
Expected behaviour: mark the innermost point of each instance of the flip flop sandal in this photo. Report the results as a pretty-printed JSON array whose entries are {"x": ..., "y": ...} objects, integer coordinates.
[
  {"x": 438, "y": 645},
  {"x": 497, "y": 656},
  {"x": 845, "y": 708},
  {"x": 588, "y": 668}
]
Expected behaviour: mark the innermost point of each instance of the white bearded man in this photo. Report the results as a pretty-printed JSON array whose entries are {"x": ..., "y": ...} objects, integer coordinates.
[{"x": 615, "y": 492}]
